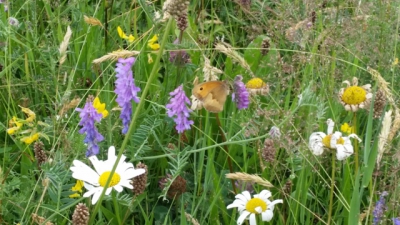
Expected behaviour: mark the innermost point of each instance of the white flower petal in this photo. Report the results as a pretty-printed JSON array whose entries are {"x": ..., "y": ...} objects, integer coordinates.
[
  {"x": 253, "y": 219},
  {"x": 235, "y": 204},
  {"x": 331, "y": 124},
  {"x": 264, "y": 195},
  {"x": 81, "y": 171},
  {"x": 267, "y": 215},
  {"x": 96, "y": 197},
  {"x": 334, "y": 139},
  {"x": 242, "y": 217},
  {"x": 118, "y": 188},
  {"x": 344, "y": 151},
  {"x": 315, "y": 143},
  {"x": 247, "y": 195}
]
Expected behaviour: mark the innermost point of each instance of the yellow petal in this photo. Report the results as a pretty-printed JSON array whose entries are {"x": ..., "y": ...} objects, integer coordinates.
[
  {"x": 153, "y": 39},
  {"x": 149, "y": 59},
  {"x": 120, "y": 32},
  {"x": 30, "y": 139},
  {"x": 154, "y": 46},
  {"x": 30, "y": 113},
  {"x": 131, "y": 38},
  {"x": 100, "y": 107},
  {"x": 12, "y": 130}
]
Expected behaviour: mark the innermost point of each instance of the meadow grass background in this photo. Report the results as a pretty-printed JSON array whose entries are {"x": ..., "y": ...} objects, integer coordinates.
[{"x": 313, "y": 47}]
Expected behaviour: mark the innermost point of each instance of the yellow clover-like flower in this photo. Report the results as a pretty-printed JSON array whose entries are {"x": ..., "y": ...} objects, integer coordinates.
[
  {"x": 77, "y": 189},
  {"x": 152, "y": 43},
  {"x": 100, "y": 107},
  {"x": 30, "y": 139},
  {"x": 30, "y": 113},
  {"x": 122, "y": 35},
  {"x": 12, "y": 122},
  {"x": 346, "y": 128},
  {"x": 257, "y": 86},
  {"x": 354, "y": 97}
]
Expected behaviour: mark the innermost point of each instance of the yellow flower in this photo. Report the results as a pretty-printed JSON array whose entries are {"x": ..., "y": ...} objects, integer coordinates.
[
  {"x": 17, "y": 126},
  {"x": 30, "y": 139},
  {"x": 121, "y": 34},
  {"x": 100, "y": 107},
  {"x": 257, "y": 86},
  {"x": 30, "y": 113},
  {"x": 151, "y": 43},
  {"x": 346, "y": 128},
  {"x": 77, "y": 188},
  {"x": 354, "y": 97},
  {"x": 395, "y": 62},
  {"x": 149, "y": 59}
]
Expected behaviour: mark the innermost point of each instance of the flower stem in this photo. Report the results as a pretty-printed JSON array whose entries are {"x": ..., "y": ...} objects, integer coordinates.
[
  {"x": 138, "y": 110},
  {"x": 355, "y": 144},
  {"x": 226, "y": 150},
  {"x": 332, "y": 189}
]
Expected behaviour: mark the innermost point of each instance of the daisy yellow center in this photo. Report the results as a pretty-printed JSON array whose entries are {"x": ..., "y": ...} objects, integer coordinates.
[
  {"x": 255, "y": 83},
  {"x": 254, "y": 203},
  {"x": 327, "y": 141},
  {"x": 104, "y": 177},
  {"x": 354, "y": 95}
]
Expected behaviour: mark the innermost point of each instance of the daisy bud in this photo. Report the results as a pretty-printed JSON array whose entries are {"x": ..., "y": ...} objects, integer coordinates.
[{"x": 81, "y": 215}]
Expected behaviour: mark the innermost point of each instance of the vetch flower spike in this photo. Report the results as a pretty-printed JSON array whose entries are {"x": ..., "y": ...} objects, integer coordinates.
[
  {"x": 240, "y": 95},
  {"x": 95, "y": 180},
  {"x": 126, "y": 90},
  {"x": 178, "y": 109},
  {"x": 89, "y": 116},
  {"x": 332, "y": 140},
  {"x": 259, "y": 204}
]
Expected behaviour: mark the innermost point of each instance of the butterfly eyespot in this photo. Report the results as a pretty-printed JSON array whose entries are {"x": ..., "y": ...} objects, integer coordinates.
[{"x": 201, "y": 89}]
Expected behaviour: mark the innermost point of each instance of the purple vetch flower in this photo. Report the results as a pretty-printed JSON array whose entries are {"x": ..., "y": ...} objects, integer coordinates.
[
  {"x": 180, "y": 56},
  {"x": 240, "y": 95},
  {"x": 396, "y": 221},
  {"x": 177, "y": 107},
  {"x": 380, "y": 208},
  {"x": 89, "y": 116},
  {"x": 126, "y": 90}
]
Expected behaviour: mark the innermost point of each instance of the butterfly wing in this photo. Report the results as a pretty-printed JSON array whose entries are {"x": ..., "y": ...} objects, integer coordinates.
[{"x": 215, "y": 100}]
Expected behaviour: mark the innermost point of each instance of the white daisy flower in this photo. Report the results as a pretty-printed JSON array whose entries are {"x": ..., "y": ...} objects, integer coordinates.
[
  {"x": 259, "y": 204},
  {"x": 95, "y": 180},
  {"x": 319, "y": 141},
  {"x": 355, "y": 97}
]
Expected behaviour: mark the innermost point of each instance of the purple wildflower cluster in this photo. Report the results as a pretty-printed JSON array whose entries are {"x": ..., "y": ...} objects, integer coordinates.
[
  {"x": 380, "y": 208},
  {"x": 396, "y": 221},
  {"x": 89, "y": 116},
  {"x": 240, "y": 95},
  {"x": 126, "y": 90},
  {"x": 177, "y": 107}
]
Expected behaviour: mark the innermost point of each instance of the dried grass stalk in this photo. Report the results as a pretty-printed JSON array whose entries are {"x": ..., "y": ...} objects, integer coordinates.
[
  {"x": 92, "y": 21},
  {"x": 383, "y": 136},
  {"x": 116, "y": 55},
  {"x": 227, "y": 50},
  {"x": 64, "y": 45},
  {"x": 248, "y": 177},
  {"x": 382, "y": 84},
  {"x": 395, "y": 126}
]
